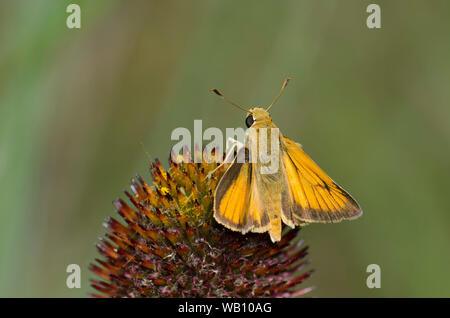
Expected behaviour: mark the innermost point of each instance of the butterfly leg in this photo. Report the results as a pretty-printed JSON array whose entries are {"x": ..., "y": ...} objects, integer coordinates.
[{"x": 231, "y": 145}]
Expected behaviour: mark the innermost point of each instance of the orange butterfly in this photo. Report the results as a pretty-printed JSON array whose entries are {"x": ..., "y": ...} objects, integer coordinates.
[{"x": 298, "y": 192}]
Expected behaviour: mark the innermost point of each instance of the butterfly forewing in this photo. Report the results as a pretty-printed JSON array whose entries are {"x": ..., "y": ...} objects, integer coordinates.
[{"x": 310, "y": 195}]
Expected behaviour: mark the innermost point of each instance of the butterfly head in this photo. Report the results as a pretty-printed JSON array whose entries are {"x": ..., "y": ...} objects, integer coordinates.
[
  {"x": 258, "y": 115},
  {"x": 255, "y": 114}
]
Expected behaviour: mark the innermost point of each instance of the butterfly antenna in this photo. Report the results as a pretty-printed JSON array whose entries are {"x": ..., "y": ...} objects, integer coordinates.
[
  {"x": 227, "y": 100},
  {"x": 286, "y": 81}
]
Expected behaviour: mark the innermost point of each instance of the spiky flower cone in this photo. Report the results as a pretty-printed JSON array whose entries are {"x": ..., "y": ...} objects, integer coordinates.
[{"x": 171, "y": 245}]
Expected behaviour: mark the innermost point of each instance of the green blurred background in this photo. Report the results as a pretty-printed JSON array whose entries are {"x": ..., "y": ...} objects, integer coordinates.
[{"x": 80, "y": 109}]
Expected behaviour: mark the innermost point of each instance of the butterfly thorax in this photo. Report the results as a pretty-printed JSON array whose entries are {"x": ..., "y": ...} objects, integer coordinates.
[{"x": 265, "y": 131}]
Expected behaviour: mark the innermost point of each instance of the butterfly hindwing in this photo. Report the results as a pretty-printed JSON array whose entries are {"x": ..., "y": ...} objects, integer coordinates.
[{"x": 237, "y": 203}]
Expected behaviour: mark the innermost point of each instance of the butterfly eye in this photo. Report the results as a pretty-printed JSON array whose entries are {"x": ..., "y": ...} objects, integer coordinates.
[{"x": 249, "y": 121}]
